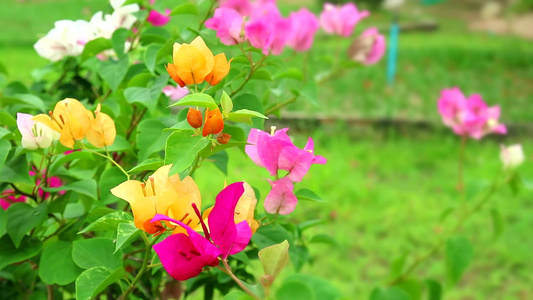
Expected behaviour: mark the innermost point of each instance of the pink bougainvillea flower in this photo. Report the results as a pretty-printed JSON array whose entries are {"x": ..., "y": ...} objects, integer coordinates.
[
  {"x": 277, "y": 152},
  {"x": 469, "y": 117},
  {"x": 9, "y": 197},
  {"x": 175, "y": 93},
  {"x": 369, "y": 48},
  {"x": 341, "y": 20},
  {"x": 185, "y": 255},
  {"x": 281, "y": 198},
  {"x": 35, "y": 134},
  {"x": 228, "y": 24},
  {"x": 269, "y": 32},
  {"x": 53, "y": 182},
  {"x": 158, "y": 19},
  {"x": 243, "y": 7},
  {"x": 303, "y": 25}
]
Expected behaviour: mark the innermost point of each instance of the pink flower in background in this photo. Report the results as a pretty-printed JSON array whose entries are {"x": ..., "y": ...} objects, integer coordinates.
[
  {"x": 228, "y": 24},
  {"x": 368, "y": 48},
  {"x": 53, "y": 182},
  {"x": 184, "y": 256},
  {"x": 469, "y": 117},
  {"x": 269, "y": 33},
  {"x": 281, "y": 198},
  {"x": 8, "y": 197},
  {"x": 158, "y": 19},
  {"x": 341, "y": 20},
  {"x": 175, "y": 93},
  {"x": 304, "y": 26},
  {"x": 243, "y": 7}
]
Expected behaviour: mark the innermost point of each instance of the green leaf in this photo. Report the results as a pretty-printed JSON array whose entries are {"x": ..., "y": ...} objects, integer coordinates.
[
  {"x": 15, "y": 170},
  {"x": 94, "y": 47},
  {"x": 155, "y": 34},
  {"x": 26, "y": 100},
  {"x": 109, "y": 222},
  {"x": 323, "y": 239},
  {"x": 113, "y": 72},
  {"x": 295, "y": 290},
  {"x": 307, "y": 194},
  {"x": 269, "y": 235},
  {"x": 6, "y": 119},
  {"x": 226, "y": 104},
  {"x": 245, "y": 116},
  {"x": 147, "y": 96},
  {"x": 397, "y": 266},
  {"x": 109, "y": 179},
  {"x": 125, "y": 232},
  {"x": 3, "y": 222},
  {"x": 498, "y": 224},
  {"x": 21, "y": 218},
  {"x": 197, "y": 99},
  {"x": 182, "y": 148},
  {"x": 321, "y": 288},
  {"x": 150, "y": 56},
  {"x": 237, "y": 295},
  {"x": 220, "y": 159},
  {"x": 262, "y": 75},
  {"x": 434, "y": 290},
  {"x": 62, "y": 159},
  {"x": 85, "y": 187},
  {"x": 56, "y": 265},
  {"x": 389, "y": 293},
  {"x": 151, "y": 137},
  {"x": 95, "y": 280},
  {"x": 459, "y": 253},
  {"x": 9, "y": 254},
  {"x": 292, "y": 73},
  {"x": 96, "y": 252},
  {"x": 118, "y": 40},
  {"x": 5, "y": 147},
  {"x": 274, "y": 258},
  {"x": 412, "y": 287},
  {"x": 150, "y": 164},
  {"x": 185, "y": 9}
]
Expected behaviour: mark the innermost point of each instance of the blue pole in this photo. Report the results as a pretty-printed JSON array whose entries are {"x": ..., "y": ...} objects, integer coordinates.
[{"x": 393, "y": 51}]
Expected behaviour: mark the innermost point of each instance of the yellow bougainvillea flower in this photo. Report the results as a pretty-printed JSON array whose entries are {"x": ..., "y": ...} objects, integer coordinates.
[
  {"x": 161, "y": 194},
  {"x": 194, "y": 63},
  {"x": 70, "y": 118},
  {"x": 220, "y": 69},
  {"x": 103, "y": 131},
  {"x": 244, "y": 211}
]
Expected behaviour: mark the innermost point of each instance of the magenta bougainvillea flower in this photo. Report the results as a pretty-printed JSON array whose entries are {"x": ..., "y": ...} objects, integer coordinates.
[
  {"x": 228, "y": 24},
  {"x": 156, "y": 18},
  {"x": 341, "y": 20},
  {"x": 303, "y": 28},
  {"x": 269, "y": 32},
  {"x": 185, "y": 255},
  {"x": 9, "y": 197},
  {"x": 469, "y": 117},
  {"x": 368, "y": 48},
  {"x": 53, "y": 182}
]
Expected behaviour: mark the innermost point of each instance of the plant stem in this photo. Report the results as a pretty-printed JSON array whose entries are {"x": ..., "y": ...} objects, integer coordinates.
[
  {"x": 209, "y": 12},
  {"x": 109, "y": 158},
  {"x": 280, "y": 105},
  {"x": 460, "y": 183},
  {"x": 254, "y": 67},
  {"x": 194, "y": 164},
  {"x": 227, "y": 270},
  {"x": 143, "y": 269}
]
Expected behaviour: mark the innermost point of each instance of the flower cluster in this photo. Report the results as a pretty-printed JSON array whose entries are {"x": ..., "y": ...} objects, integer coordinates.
[
  {"x": 69, "y": 122},
  {"x": 168, "y": 203},
  {"x": 68, "y": 38},
  {"x": 469, "y": 117},
  {"x": 276, "y": 152}
]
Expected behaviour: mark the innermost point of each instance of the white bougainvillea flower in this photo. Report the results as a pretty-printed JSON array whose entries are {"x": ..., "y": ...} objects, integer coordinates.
[
  {"x": 35, "y": 134},
  {"x": 122, "y": 17},
  {"x": 512, "y": 156},
  {"x": 67, "y": 38}
]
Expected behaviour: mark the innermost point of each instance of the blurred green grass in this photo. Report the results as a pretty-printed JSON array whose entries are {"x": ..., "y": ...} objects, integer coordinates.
[{"x": 384, "y": 195}]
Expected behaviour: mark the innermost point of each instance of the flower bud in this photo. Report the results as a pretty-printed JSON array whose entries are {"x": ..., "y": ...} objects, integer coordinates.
[
  {"x": 512, "y": 156},
  {"x": 194, "y": 117},
  {"x": 213, "y": 122},
  {"x": 223, "y": 138}
]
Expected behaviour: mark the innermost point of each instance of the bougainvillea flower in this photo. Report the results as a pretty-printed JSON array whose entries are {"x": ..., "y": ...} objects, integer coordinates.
[
  {"x": 228, "y": 24},
  {"x": 67, "y": 38},
  {"x": 70, "y": 118},
  {"x": 512, "y": 156},
  {"x": 9, "y": 197},
  {"x": 53, "y": 182},
  {"x": 244, "y": 211},
  {"x": 194, "y": 118},
  {"x": 158, "y": 19},
  {"x": 368, "y": 48},
  {"x": 303, "y": 28},
  {"x": 469, "y": 117},
  {"x": 185, "y": 255},
  {"x": 281, "y": 199},
  {"x": 277, "y": 152},
  {"x": 214, "y": 124},
  {"x": 102, "y": 132},
  {"x": 223, "y": 138},
  {"x": 35, "y": 134},
  {"x": 341, "y": 20},
  {"x": 192, "y": 62},
  {"x": 243, "y": 7},
  {"x": 269, "y": 33},
  {"x": 175, "y": 93},
  {"x": 161, "y": 194},
  {"x": 220, "y": 69}
]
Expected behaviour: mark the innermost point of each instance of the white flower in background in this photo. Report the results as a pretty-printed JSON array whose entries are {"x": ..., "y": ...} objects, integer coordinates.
[
  {"x": 122, "y": 17},
  {"x": 35, "y": 134},
  {"x": 393, "y": 4},
  {"x": 512, "y": 156},
  {"x": 67, "y": 38}
]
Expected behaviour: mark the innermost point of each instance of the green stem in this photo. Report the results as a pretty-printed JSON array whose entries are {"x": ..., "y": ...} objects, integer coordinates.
[
  {"x": 109, "y": 158},
  {"x": 143, "y": 269},
  {"x": 254, "y": 67},
  {"x": 194, "y": 164},
  {"x": 209, "y": 12},
  {"x": 280, "y": 105},
  {"x": 227, "y": 270}
]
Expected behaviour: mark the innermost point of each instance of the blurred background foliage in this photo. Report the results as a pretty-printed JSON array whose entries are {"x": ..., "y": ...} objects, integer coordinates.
[{"x": 386, "y": 181}]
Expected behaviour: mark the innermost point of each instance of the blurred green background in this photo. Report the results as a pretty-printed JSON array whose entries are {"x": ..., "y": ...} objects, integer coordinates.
[{"x": 386, "y": 186}]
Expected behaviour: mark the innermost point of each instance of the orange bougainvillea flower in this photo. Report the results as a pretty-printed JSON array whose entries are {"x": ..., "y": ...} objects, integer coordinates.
[
  {"x": 220, "y": 70},
  {"x": 194, "y": 63},
  {"x": 103, "y": 132},
  {"x": 161, "y": 194},
  {"x": 70, "y": 118},
  {"x": 214, "y": 123},
  {"x": 194, "y": 117},
  {"x": 223, "y": 138}
]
